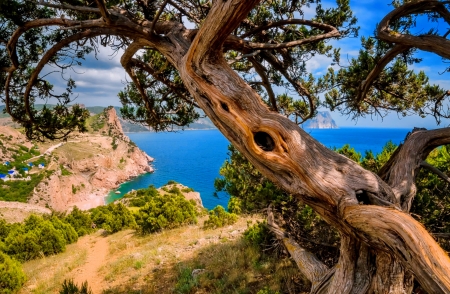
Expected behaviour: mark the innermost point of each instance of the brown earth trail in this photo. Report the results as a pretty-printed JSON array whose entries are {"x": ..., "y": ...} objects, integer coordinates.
[{"x": 97, "y": 250}]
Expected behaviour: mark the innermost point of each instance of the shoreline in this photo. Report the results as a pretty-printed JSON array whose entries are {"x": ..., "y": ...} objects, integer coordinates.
[{"x": 123, "y": 183}]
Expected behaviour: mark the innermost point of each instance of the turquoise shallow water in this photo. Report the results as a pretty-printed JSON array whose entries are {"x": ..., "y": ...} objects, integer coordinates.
[{"x": 193, "y": 158}]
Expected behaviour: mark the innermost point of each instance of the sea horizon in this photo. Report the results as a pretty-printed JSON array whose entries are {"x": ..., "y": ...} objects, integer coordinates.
[{"x": 194, "y": 157}]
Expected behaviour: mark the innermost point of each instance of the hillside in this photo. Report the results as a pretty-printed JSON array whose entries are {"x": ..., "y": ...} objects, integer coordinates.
[
  {"x": 79, "y": 171},
  {"x": 158, "y": 263}
]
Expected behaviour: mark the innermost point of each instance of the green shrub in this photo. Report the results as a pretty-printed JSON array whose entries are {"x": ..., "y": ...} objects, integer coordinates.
[
  {"x": 69, "y": 287},
  {"x": 166, "y": 212},
  {"x": 141, "y": 196},
  {"x": 19, "y": 190},
  {"x": 11, "y": 275},
  {"x": 174, "y": 190},
  {"x": 37, "y": 237},
  {"x": 258, "y": 235},
  {"x": 187, "y": 190},
  {"x": 218, "y": 217},
  {"x": 65, "y": 172},
  {"x": 69, "y": 233},
  {"x": 4, "y": 229},
  {"x": 186, "y": 282},
  {"x": 171, "y": 182},
  {"x": 235, "y": 205},
  {"x": 81, "y": 221},
  {"x": 113, "y": 217}
]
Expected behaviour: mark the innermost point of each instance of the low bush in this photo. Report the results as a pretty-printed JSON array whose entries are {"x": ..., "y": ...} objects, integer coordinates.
[
  {"x": 259, "y": 235},
  {"x": 235, "y": 205},
  {"x": 218, "y": 217},
  {"x": 38, "y": 237},
  {"x": 166, "y": 212},
  {"x": 186, "y": 283},
  {"x": 80, "y": 220},
  {"x": 69, "y": 287},
  {"x": 11, "y": 275},
  {"x": 141, "y": 196},
  {"x": 113, "y": 217},
  {"x": 187, "y": 190}
]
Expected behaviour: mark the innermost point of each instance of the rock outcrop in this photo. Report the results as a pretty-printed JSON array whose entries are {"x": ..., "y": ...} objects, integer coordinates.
[
  {"x": 323, "y": 120},
  {"x": 86, "y": 167}
]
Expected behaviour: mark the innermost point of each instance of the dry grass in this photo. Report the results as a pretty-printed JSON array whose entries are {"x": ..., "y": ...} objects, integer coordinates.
[
  {"x": 47, "y": 274},
  {"x": 76, "y": 151},
  {"x": 163, "y": 263}
]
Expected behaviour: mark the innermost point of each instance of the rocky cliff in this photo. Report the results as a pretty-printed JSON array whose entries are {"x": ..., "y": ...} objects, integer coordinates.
[
  {"x": 323, "y": 120},
  {"x": 87, "y": 166}
]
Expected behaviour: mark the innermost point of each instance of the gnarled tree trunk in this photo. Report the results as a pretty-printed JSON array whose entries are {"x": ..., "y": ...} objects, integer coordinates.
[{"x": 382, "y": 246}]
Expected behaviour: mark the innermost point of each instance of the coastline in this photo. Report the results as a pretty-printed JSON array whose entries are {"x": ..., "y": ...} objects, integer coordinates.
[{"x": 105, "y": 198}]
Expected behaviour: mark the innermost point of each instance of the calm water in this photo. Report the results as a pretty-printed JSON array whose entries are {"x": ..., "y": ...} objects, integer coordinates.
[{"x": 193, "y": 158}]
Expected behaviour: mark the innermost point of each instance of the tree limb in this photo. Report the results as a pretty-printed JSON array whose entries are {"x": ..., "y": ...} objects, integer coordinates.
[
  {"x": 435, "y": 170},
  {"x": 379, "y": 67},
  {"x": 322, "y": 26},
  {"x": 310, "y": 266},
  {"x": 382, "y": 227},
  {"x": 46, "y": 58},
  {"x": 146, "y": 67},
  {"x": 430, "y": 43},
  {"x": 104, "y": 11},
  {"x": 161, "y": 9},
  {"x": 126, "y": 64},
  {"x": 265, "y": 81},
  {"x": 301, "y": 90},
  {"x": 401, "y": 169},
  {"x": 350, "y": 275},
  {"x": 188, "y": 14}
]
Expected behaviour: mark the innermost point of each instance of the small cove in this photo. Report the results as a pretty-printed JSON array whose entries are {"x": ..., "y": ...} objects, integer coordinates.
[{"x": 193, "y": 158}]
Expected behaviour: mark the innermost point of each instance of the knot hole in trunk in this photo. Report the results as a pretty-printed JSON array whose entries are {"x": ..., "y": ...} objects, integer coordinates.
[
  {"x": 225, "y": 106},
  {"x": 264, "y": 141}
]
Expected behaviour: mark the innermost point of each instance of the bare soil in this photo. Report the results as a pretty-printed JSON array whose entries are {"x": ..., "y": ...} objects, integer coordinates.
[
  {"x": 97, "y": 251},
  {"x": 124, "y": 258}
]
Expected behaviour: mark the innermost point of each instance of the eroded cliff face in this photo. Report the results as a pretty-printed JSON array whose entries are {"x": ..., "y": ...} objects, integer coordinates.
[{"x": 85, "y": 168}]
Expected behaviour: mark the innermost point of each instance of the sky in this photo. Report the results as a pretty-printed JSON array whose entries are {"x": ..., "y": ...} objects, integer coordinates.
[{"x": 102, "y": 77}]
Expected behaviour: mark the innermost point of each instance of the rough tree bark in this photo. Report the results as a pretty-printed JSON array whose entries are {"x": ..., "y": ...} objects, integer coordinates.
[
  {"x": 382, "y": 247},
  {"x": 329, "y": 183}
]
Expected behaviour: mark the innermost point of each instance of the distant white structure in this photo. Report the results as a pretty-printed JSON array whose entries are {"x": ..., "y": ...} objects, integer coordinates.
[{"x": 41, "y": 165}]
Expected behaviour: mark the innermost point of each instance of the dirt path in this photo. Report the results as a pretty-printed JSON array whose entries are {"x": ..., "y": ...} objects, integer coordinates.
[{"x": 97, "y": 249}]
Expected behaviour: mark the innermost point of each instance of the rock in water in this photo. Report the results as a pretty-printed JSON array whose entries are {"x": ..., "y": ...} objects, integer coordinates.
[{"x": 323, "y": 120}]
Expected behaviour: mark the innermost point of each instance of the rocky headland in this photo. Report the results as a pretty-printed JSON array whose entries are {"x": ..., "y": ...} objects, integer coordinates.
[
  {"x": 322, "y": 120},
  {"x": 87, "y": 166},
  {"x": 81, "y": 170}
]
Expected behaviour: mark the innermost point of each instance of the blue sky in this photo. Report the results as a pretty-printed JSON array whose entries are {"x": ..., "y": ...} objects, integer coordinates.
[{"x": 100, "y": 79}]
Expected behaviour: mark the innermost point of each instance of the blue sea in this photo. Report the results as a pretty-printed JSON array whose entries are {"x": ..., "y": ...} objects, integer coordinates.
[{"x": 193, "y": 158}]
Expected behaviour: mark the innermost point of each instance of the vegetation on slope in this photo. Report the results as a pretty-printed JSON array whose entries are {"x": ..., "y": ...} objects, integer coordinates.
[{"x": 21, "y": 156}]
